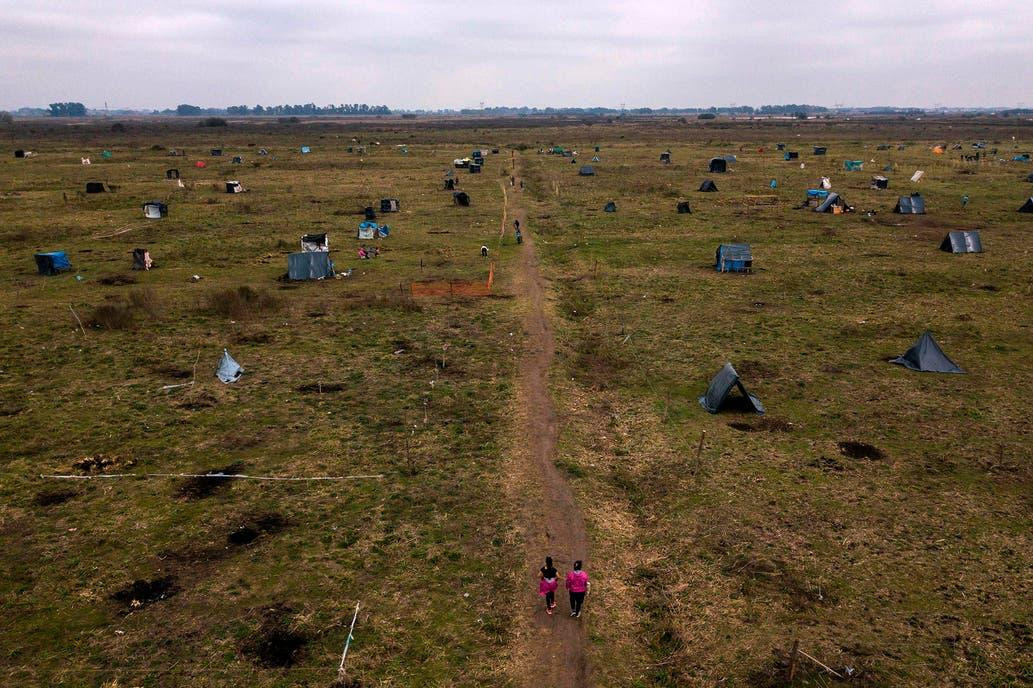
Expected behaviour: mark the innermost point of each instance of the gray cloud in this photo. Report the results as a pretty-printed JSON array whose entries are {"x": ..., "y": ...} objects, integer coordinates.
[{"x": 417, "y": 53}]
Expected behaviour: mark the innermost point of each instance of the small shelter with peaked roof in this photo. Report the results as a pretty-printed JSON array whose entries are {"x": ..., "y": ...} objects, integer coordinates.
[
  {"x": 833, "y": 203},
  {"x": 962, "y": 242},
  {"x": 910, "y": 205},
  {"x": 96, "y": 187},
  {"x": 233, "y": 186},
  {"x": 718, "y": 165},
  {"x": 610, "y": 207},
  {"x": 19, "y": 153},
  {"x": 461, "y": 198},
  {"x": 1027, "y": 207},
  {"x": 229, "y": 370},
  {"x": 52, "y": 262},
  {"x": 708, "y": 185},
  {"x": 880, "y": 182},
  {"x": 389, "y": 205},
  {"x": 683, "y": 207},
  {"x": 791, "y": 155},
  {"x": 926, "y": 356},
  {"x": 733, "y": 258},
  {"x": 142, "y": 259},
  {"x": 172, "y": 173},
  {"x": 721, "y": 386},
  {"x": 665, "y": 157},
  {"x": 155, "y": 210},
  {"x": 309, "y": 265}
]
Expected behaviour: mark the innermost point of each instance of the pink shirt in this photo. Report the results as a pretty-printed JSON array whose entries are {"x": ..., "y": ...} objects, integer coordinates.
[{"x": 577, "y": 581}]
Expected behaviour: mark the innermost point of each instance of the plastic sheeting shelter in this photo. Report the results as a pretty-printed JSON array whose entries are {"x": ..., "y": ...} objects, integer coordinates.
[
  {"x": 19, "y": 153},
  {"x": 96, "y": 187},
  {"x": 1027, "y": 207},
  {"x": 461, "y": 198},
  {"x": 880, "y": 182},
  {"x": 52, "y": 262},
  {"x": 305, "y": 150},
  {"x": 853, "y": 165},
  {"x": 665, "y": 157},
  {"x": 820, "y": 150},
  {"x": 708, "y": 185},
  {"x": 228, "y": 370},
  {"x": 733, "y": 258},
  {"x": 309, "y": 265},
  {"x": 474, "y": 168},
  {"x": 718, "y": 165},
  {"x": 155, "y": 210},
  {"x": 962, "y": 242},
  {"x": 389, "y": 205},
  {"x": 238, "y": 160},
  {"x": 910, "y": 205},
  {"x": 371, "y": 230},
  {"x": 831, "y": 202},
  {"x": 791, "y": 155},
  {"x": 586, "y": 171},
  {"x": 314, "y": 242},
  {"x": 721, "y": 387},
  {"x": 142, "y": 259},
  {"x": 172, "y": 174},
  {"x": 926, "y": 356},
  {"x": 234, "y": 187},
  {"x": 683, "y": 207},
  {"x": 216, "y": 152},
  {"x": 450, "y": 184},
  {"x": 368, "y": 213},
  {"x": 610, "y": 207}
]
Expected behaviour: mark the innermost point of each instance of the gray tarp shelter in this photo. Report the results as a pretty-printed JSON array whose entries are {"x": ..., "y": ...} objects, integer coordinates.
[
  {"x": 718, "y": 165},
  {"x": 229, "y": 370},
  {"x": 683, "y": 207},
  {"x": 926, "y": 356},
  {"x": 708, "y": 185},
  {"x": 721, "y": 386},
  {"x": 610, "y": 207},
  {"x": 1030, "y": 177},
  {"x": 962, "y": 242},
  {"x": 308, "y": 265},
  {"x": 1027, "y": 207},
  {"x": 831, "y": 201},
  {"x": 910, "y": 205}
]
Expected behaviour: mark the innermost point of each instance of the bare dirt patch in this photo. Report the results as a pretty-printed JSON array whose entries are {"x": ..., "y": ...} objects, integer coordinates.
[
  {"x": 275, "y": 644},
  {"x": 206, "y": 485},
  {"x": 141, "y": 593},
  {"x": 861, "y": 450}
]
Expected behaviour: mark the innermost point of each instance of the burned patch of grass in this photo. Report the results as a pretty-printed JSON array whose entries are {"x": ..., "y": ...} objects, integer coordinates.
[
  {"x": 255, "y": 527},
  {"x": 53, "y": 497},
  {"x": 763, "y": 424},
  {"x": 124, "y": 315},
  {"x": 275, "y": 644},
  {"x": 322, "y": 387},
  {"x": 141, "y": 593},
  {"x": 208, "y": 484},
  {"x": 861, "y": 450}
]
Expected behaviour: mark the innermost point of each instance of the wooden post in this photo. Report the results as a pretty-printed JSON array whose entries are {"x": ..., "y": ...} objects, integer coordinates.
[
  {"x": 792, "y": 659},
  {"x": 699, "y": 449}
]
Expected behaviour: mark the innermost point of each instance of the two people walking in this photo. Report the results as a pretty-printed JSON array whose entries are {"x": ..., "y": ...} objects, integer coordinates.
[{"x": 576, "y": 583}]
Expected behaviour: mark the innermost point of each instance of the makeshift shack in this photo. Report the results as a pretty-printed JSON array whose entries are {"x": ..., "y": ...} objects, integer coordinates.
[
  {"x": 718, "y": 165},
  {"x": 228, "y": 370},
  {"x": 461, "y": 198},
  {"x": 721, "y": 386},
  {"x": 19, "y": 153},
  {"x": 833, "y": 203},
  {"x": 1027, "y": 207},
  {"x": 791, "y": 155},
  {"x": 910, "y": 205},
  {"x": 389, "y": 205},
  {"x": 665, "y": 157},
  {"x": 96, "y": 187},
  {"x": 820, "y": 150},
  {"x": 216, "y": 152},
  {"x": 234, "y": 186},
  {"x": 708, "y": 186},
  {"x": 586, "y": 171},
  {"x": 683, "y": 207},
  {"x": 155, "y": 210},
  {"x": 312, "y": 243},
  {"x": 172, "y": 174},
  {"x": 309, "y": 265},
  {"x": 880, "y": 182},
  {"x": 142, "y": 259},
  {"x": 853, "y": 165},
  {"x": 733, "y": 258},
  {"x": 610, "y": 207}
]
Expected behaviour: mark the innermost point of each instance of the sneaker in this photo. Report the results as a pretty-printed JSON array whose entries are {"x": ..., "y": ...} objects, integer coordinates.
[
  {"x": 573, "y": 614},
  {"x": 577, "y": 616},
  {"x": 552, "y": 606}
]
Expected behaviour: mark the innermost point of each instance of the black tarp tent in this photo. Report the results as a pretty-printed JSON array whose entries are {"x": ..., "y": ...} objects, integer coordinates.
[
  {"x": 665, "y": 157},
  {"x": 879, "y": 182},
  {"x": 718, "y": 165},
  {"x": 19, "y": 153},
  {"x": 461, "y": 198},
  {"x": 610, "y": 207},
  {"x": 142, "y": 259},
  {"x": 926, "y": 356},
  {"x": 155, "y": 210},
  {"x": 450, "y": 184},
  {"x": 910, "y": 205},
  {"x": 962, "y": 242},
  {"x": 708, "y": 185},
  {"x": 820, "y": 150},
  {"x": 587, "y": 171},
  {"x": 683, "y": 207},
  {"x": 721, "y": 386},
  {"x": 368, "y": 213},
  {"x": 172, "y": 174},
  {"x": 96, "y": 187},
  {"x": 1027, "y": 207}
]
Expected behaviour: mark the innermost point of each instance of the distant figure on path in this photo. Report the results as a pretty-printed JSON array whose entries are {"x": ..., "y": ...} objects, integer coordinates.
[
  {"x": 484, "y": 251},
  {"x": 547, "y": 585},
  {"x": 577, "y": 585}
]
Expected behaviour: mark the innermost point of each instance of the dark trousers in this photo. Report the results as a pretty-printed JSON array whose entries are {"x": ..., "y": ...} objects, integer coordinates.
[
  {"x": 550, "y": 599},
  {"x": 576, "y": 600}
]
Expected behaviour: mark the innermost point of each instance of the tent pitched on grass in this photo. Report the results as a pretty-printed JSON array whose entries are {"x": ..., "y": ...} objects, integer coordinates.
[
  {"x": 708, "y": 185},
  {"x": 853, "y": 165},
  {"x": 142, "y": 259},
  {"x": 683, "y": 207},
  {"x": 390, "y": 205},
  {"x": 311, "y": 243},
  {"x": 96, "y": 187},
  {"x": 831, "y": 203},
  {"x": 926, "y": 356},
  {"x": 1027, "y": 207},
  {"x": 587, "y": 171},
  {"x": 910, "y": 205},
  {"x": 610, "y": 207},
  {"x": 879, "y": 182},
  {"x": 733, "y": 258},
  {"x": 721, "y": 386},
  {"x": 229, "y": 370},
  {"x": 718, "y": 165},
  {"x": 309, "y": 265},
  {"x": 155, "y": 210},
  {"x": 461, "y": 198},
  {"x": 820, "y": 150},
  {"x": 962, "y": 242},
  {"x": 234, "y": 186},
  {"x": 52, "y": 262}
]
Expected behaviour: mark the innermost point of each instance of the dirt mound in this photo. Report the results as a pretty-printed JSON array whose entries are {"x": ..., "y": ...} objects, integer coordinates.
[
  {"x": 141, "y": 593},
  {"x": 763, "y": 424},
  {"x": 206, "y": 485},
  {"x": 275, "y": 644},
  {"x": 117, "y": 280},
  {"x": 861, "y": 450},
  {"x": 255, "y": 527}
]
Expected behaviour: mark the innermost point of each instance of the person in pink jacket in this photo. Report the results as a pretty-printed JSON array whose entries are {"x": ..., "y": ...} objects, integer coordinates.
[
  {"x": 577, "y": 585},
  {"x": 547, "y": 584}
]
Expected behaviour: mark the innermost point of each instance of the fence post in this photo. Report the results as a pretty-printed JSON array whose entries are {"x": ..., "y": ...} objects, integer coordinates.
[{"x": 792, "y": 659}]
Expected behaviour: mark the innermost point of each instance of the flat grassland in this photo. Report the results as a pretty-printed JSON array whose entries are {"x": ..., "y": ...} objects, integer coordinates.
[{"x": 878, "y": 515}]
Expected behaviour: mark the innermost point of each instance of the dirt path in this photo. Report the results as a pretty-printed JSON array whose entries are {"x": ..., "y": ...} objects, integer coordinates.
[{"x": 550, "y": 650}]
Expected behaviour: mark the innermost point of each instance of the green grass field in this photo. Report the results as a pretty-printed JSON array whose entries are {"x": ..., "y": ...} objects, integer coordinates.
[{"x": 911, "y": 566}]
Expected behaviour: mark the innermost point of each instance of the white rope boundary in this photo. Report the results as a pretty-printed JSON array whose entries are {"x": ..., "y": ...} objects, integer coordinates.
[{"x": 238, "y": 476}]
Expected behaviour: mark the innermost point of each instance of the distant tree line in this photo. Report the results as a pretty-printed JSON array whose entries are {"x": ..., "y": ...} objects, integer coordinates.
[
  {"x": 309, "y": 109},
  {"x": 738, "y": 110},
  {"x": 67, "y": 110}
]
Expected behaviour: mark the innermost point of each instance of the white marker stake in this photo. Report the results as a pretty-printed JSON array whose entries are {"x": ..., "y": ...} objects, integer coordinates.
[{"x": 347, "y": 643}]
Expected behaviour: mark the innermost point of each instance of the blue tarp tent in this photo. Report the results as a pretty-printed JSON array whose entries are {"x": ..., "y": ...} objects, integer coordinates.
[
  {"x": 733, "y": 258},
  {"x": 309, "y": 265},
  {"x": 52, "y": 262},
  {"x": 229, "y": 370},
  {"x": 306, "y": 149},
  {"x": 962, "y": 242},
  {"x": 371, "y": 230},
  {"x": 853, "y": 165},
  {"x": 817, "y": 193}
]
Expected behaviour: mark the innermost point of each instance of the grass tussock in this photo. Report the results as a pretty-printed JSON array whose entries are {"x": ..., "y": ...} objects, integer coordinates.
[
  {"x": 141, "y": 305},
  {"x": 242, "y": 302}
]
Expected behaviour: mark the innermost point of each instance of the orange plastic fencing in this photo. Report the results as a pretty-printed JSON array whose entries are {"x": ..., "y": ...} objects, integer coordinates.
[{"x": 431, "y": 288}]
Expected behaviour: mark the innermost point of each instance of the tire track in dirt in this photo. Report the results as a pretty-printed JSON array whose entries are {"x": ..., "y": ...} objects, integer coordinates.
[{"x": 550, "y": 650}]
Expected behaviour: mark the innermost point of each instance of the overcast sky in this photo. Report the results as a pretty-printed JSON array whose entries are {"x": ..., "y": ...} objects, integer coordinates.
[{"x": 441, "y": 54}]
